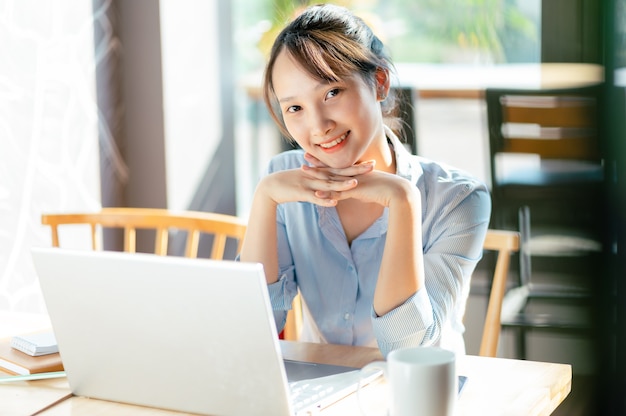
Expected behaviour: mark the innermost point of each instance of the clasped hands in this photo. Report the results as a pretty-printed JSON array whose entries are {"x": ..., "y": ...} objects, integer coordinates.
[{"x": 326, "y": 186}]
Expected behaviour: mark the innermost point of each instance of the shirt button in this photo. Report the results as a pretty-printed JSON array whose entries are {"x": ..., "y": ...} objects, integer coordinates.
[{"x": 346, "y": 316}]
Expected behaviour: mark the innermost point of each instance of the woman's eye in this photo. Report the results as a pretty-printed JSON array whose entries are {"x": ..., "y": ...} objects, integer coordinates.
[
  {"x": 293, "y": 109},
  {"x": 332, "y": 93}
]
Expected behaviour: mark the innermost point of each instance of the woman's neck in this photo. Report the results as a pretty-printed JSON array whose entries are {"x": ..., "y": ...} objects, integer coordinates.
[{"x": 385, "y": 156}]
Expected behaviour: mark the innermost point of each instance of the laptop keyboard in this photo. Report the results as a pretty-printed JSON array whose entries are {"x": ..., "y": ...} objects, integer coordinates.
[
  {"x": 317, "y": 393},
  {"x": 306, "y": 394}
]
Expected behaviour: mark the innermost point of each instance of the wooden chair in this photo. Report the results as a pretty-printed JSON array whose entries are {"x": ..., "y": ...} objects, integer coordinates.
[
  {"x": 504, "y": 243},
  {"x": 547, "y": 179},
  {"x": 195, "y": 223}
]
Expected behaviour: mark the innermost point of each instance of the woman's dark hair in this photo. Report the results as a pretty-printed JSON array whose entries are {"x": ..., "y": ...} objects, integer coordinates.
[{"x": 331, "y": 44}]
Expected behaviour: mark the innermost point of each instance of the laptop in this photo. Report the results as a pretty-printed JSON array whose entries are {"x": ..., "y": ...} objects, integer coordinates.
[{"x": 190, "y": 335}]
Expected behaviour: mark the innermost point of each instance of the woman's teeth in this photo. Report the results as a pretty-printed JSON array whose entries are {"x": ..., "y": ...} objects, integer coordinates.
[{"x": 334, "y": 142}]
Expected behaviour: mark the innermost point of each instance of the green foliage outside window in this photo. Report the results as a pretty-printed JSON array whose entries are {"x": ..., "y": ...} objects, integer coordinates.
[{"x": 438, "y": 31}]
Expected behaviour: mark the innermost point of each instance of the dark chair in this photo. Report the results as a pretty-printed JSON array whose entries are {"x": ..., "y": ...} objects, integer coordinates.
[{"x": 547, "y": 178}]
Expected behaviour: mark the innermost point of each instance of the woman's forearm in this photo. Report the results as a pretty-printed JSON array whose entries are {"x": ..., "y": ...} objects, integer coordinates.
[{"x": 401, "y": 272}]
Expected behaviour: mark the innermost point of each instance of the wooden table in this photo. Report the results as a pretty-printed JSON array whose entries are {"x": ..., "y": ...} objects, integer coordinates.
[
  {"x": 495, "y": 386},
  {"x": 471, "y": 80}
]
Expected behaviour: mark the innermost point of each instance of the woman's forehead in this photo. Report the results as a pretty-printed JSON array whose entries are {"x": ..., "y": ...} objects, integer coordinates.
[
  {"x": 287, "y": 66},
  {"x": 290, "y": 79}
]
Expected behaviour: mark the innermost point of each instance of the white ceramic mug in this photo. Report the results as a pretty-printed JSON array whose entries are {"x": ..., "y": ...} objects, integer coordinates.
[{"x": 422, "y": 381}]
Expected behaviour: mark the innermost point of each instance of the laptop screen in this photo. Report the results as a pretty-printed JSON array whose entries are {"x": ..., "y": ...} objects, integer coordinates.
[{"x": 193, "y": 335}]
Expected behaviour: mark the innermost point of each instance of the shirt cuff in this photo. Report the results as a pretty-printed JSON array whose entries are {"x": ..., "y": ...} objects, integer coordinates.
[
  {"x": 282, "y": 293},
  {"x": 406, "y": 325}
]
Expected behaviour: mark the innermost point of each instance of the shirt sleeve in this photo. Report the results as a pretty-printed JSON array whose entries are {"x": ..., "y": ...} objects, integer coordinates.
[
  {"x": 285, "y": 289},
  {"x": 452, "y": 248},
  {"x": 279, "y": 293}
]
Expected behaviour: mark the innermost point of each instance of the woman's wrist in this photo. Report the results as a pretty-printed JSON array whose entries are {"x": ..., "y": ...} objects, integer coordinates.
[
  {"x": 404, "y": 195},
  {"x": 263, "y": 192}
]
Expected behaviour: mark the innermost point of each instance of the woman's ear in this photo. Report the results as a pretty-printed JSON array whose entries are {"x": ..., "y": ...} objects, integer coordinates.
[{"x": 382, "y": 83}]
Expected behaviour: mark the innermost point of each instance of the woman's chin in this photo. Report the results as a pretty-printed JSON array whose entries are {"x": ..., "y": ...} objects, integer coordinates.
[{"x": 339, "y": 162}]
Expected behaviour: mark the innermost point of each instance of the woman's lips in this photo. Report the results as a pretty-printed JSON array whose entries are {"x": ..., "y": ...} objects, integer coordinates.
[{"x": 331, "y": 144}]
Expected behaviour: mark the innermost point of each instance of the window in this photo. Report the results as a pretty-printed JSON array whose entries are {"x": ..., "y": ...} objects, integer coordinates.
[{"x": 49, "y": 157}]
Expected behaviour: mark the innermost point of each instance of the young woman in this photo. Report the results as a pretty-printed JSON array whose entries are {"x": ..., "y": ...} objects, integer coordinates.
[{"x": 380, "y": 243}]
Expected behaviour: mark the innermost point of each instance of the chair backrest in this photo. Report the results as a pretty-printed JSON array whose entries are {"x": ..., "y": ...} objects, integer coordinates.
[
  {"x": 553, "y": 124},
  {"x": 504, "y": 243},
  {"x": 195, "y": 223}
]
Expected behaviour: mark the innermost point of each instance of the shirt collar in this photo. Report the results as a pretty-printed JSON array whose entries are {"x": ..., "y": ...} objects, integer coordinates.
[{"x": 407, "y": 165}]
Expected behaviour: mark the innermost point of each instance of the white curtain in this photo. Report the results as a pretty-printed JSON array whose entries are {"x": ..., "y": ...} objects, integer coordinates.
[{"x": 49, "y": 158}]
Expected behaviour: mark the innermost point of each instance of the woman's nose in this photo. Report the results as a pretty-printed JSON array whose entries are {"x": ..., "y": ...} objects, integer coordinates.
[{"x": 321, "y": 123}]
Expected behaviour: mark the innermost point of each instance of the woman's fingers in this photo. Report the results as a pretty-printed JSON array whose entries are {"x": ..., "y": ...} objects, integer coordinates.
[
  {"x": 333, "y": 185},
  {"x": 327, "y": 202},
  {"x": 299, "y": 185},
  {"x": 313, "y": 160},
  {"x": 361, "y": 167},
  {"x": 328, "y": 185},
  {"x": 321, "y": 184},
  {"x": 338, "y": 174}
]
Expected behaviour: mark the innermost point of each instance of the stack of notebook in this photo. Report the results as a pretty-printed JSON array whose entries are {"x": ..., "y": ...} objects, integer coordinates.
[{"x": 30, "y": 354}]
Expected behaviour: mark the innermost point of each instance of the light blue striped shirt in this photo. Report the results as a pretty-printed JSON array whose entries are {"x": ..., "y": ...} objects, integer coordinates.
[{"x": 337, "y": 280}]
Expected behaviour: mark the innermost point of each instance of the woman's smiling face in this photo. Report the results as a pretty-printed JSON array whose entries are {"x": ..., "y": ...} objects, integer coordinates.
[{"x": 340, "y": 123}]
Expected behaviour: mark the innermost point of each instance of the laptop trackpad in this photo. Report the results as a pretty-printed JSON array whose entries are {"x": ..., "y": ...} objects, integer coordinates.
[{"x": 300, "y": 370}]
